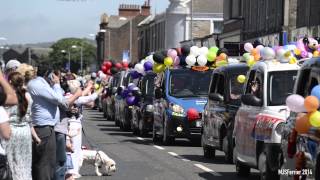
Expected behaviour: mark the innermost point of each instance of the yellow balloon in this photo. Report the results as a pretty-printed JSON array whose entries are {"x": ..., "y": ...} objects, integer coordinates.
[
  {"x": 297, "y": 52},
  {"x": 287, "y": 54},
  {"x": 96, "y": 86},
  {"x": 292, "y": 60},
  {"x": 316, "y": 54},
  {"x": 241, "y": 79},
  {"x": 168, "y": 61},
  {"x": 158, "y": 68},
  {"x": 251, "y": 62},
  {"x": 315, "y": 119}
]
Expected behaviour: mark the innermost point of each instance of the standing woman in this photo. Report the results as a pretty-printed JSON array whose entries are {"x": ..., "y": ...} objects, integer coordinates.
[{"x": 19, "y": 146}]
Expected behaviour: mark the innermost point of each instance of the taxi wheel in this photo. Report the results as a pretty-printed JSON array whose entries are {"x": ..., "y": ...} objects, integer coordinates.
[
  {"x": 265, "y": 171},
  {"x": 228, "y": 149},
  {"x": 242, "y": 170},
  {"x": 208, "y": 152}
]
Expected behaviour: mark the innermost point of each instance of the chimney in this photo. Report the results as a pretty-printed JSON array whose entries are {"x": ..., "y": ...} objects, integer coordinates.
[
  {"x": 145, "y": 9},
  {"x": 129, "y": 10}
]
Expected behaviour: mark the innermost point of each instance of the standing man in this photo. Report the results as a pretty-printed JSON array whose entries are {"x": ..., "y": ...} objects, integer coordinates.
[{"x": 45, "y": 115}]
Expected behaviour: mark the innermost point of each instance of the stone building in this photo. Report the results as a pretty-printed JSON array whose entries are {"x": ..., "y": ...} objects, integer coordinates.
[{"x": 118, "y": 35}]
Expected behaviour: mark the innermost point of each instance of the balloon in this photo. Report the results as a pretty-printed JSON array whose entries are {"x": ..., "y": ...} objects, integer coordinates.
[
  {"x": 107, "y": 64},
  {"x": 295, "y": 103},
  {"x": 118, "y": 65},
  {"x": 246, "y": 56},
  {"x": 315, "y": 119},
  {"x": 203, "y": 51},
  {"x": 176, "y": 61},
  {"x": 259, "y": 47},
  {"x": 241, "y": 79},
  {"x": 130, "y": 100},
  {"x": 280, "y": 53},
  {"x": 292, "y": 60},
  {"x": 139, "y": 68},
  {"x": 267, "y": 53},
  {"x": 316, "y": 91},
  {"x": 168, "y": 61},
  {"x": 131, "y": 87},
  {"x": 135, "y": 75},
  {"x": 114, "y": 70},
  {"x": 103, "y": 76},
  {"x": 192, "y": 114},
  {"x": 256, "y": 57},
  {"x": 194, "y": 50},
  {"x": 211, "y": 56},
  {"x": 124, "y": 93},
  {"x": 248, "y": 47},
  {"x": 254, "y": 52},
  {"x": 125, "y": 64},
  {"x": 104, "y": 69},
  {"x": 179, "y": 53},
  {"x": 172, "y": 53},
  {"x": 302, "y": 124},
  {"x": 150, "y": 59},
  {"x": 147, "y": 66},
  {"x": 158, "y": 57},
  {"x": 202, "y": 60},
  {"x": 316, "y": 53},
  {"x": 221, "y": 63},
  {"x": 222, "y": 56},
  {"x": 222, "y": 50},
  {"x": 251, "y": 61},
  {"x": 190, "y": 60},
  {"x": 185, "y": 50},
  {"x": 158, "y": 68},
  {"x": 311, "y": 103},
  {"x": 214, "y": 49},
  {"x": 297, "y": 52},
  {"x": 109, "y": 72}
]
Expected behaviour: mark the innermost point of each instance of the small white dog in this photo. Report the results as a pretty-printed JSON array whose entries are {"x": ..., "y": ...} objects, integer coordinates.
[{"x": 98, "y": 159}]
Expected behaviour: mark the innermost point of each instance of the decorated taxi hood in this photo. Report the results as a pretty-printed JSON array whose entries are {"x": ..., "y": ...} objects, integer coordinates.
[{"x": 186, "y": 103}]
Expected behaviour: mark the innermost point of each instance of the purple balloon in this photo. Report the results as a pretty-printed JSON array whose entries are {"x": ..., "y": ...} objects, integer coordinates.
[
  {"x": 148, "y": 66},
  {"x": 125, "y": 93},
  {"x": 130, "y": 100},
  {"x": 135, "y": 75},
  {"x": 131, "y": 87}
]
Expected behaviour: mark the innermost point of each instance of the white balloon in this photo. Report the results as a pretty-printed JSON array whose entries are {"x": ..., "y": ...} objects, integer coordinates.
[
  {"x": 103, "y": 76},
  {"x": 259, "y": 47},
  {"x": 310, "y": 55},
  {"x": 150, "y": 59},
  {"x": 203, "y": 51},
  {"x": 191, "y": 60},
  {"x": 142, "y": 61},
  {"x": 280, "y": 53},
  {"x": 248, "y": 47},
  {"x": 202, "y": 60},
  {"x": 295, "y": 103},
  {"x": 139, "y": 68},
  {"x": 194, "y": 50},
  {"x": 267, "y": 53}
]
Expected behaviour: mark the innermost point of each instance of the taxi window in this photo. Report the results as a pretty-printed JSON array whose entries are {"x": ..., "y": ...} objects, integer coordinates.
[{"x": 214, "y": 83}]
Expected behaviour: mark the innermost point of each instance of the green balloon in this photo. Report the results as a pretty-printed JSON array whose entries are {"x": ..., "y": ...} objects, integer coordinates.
[
  {"x": 246, "y": 56},
  {"x": 211, "y": 56},
  {"x": 214, "y": 49}
]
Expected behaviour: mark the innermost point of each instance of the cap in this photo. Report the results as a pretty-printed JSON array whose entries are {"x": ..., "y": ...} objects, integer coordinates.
[
  {"x": 93, "y": 75},
  {"x": 12, "y": 64}
]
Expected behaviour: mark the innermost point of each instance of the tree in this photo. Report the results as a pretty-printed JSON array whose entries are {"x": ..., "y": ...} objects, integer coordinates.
[{"x": 58, "y": 59}]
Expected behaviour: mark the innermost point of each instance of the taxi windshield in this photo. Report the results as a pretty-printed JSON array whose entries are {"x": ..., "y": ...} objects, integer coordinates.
[
  {"x": 280, "y": 85},
  {"x": 236, "y": 88},
  {"x": 188, "y": 83}
]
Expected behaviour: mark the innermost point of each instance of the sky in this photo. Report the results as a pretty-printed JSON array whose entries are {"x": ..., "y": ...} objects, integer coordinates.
[{"x": 32, "y": 21}]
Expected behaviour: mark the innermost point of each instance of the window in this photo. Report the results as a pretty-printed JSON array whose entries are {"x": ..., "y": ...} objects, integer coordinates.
[
  {"x": 217, "y": 26},
  {"x": 214, "y": 83},
  {"x": 221, "y": 85},
  {"x": 280, "y": 85},
  {"x": 236, "y": 89},
  {"x": 302, "y": 81},
  {"x": 255, "y": 84}
]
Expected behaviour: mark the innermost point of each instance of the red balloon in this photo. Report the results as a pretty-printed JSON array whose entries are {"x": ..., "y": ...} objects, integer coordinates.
[
  {"x": 118, "y": 65},
  {"x": 107, "y": 64},
  {"x": 125, "y": 65},
  {"x": 108, "y": 72},
  {"x": 193, "y": 114},
  {"x": 104, "y": 69}
]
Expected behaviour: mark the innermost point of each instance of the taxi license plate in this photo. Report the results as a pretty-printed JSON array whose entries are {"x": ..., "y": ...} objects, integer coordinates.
[{"x": 198, "y": 123}]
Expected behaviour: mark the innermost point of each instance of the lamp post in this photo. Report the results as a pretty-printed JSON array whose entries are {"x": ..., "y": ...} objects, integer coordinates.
[
  {"x": 81, "y": 57},
  {"x": 64, "y": 52}
]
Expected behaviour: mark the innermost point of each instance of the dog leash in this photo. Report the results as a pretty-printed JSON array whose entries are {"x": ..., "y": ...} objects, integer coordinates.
[{"x": 90, "y": 141}]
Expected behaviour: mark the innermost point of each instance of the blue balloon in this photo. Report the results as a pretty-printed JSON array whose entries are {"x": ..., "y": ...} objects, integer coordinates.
[
  {"x": 131, "y": 87},
  {"x": 316, "y": 91},
  {"x": 135, "y": 75},
  {"x": 148, "y": 66},
  {"x": 130, "y": 100}
]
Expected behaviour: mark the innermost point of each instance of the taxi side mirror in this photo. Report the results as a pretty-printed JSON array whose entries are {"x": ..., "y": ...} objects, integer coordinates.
[
  {"x": 216, "y": 97},
  {"x": 251, "y": 100}
]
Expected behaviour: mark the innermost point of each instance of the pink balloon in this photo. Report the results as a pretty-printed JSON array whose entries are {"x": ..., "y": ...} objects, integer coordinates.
[
  {"x": 176, "y": 61},
  {"x": 172, "y": 53}
]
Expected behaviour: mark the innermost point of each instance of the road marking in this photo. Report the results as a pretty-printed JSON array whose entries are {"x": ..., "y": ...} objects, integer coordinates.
[
  {"x": 186, "y": 160},
  {"x": 140, "y": 138},
  {"x": 207, "y": 169},
  {"x": 158, "y": 147},
  {"x": 173, "y": 153}
]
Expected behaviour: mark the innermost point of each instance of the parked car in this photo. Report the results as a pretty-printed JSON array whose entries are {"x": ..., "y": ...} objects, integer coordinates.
[
  {"x": 142, "y": 114},
  {"x": 104, "y": 97},
  {"x": 124, "y": 110},
  {"x": 309, "y": 143},
  {"x": 110, "y": 102},
  {"x": 119, "y": 101},
  {"x": 261, "y": 116},
  {"x": 219, "y": 112},
  {"x": 177, "y": 91}
]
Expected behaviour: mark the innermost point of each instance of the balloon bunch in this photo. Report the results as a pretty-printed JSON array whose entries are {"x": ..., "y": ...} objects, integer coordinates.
[
  {"x": 203, "y": 56},
  {"x": 110, "y": 68},
  {"x": 310, "y": 104},
  {"x": 131, "y": 94},
  {"x": 287, "y": 53},
  {"x": 307, "y": 48},
  {"x": 142, "y": 67},
  {"x": 166, "y": 59},
  {"x": 252, "y": 54}
]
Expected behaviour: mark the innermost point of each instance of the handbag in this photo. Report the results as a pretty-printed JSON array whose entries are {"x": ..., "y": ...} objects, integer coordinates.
[{"x": 5, "y": 171}]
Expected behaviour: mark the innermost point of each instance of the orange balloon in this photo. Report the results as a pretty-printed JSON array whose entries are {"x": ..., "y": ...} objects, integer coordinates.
[
  {"x": 254, "y": 52},
  {"x": 302, "y": 124},
  {"x": 311, "y": 103},
  {"x": 257, "y": 57},
  {"x": 223, "y": 56}
]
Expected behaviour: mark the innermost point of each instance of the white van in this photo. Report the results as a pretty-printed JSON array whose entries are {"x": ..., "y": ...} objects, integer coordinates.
[{"x": 261, "y": 117}]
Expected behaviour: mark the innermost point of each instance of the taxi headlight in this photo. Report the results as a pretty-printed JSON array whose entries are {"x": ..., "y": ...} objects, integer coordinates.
[
  {"x": 176, "y": 108},
  {"x": 149, "y": 108},
  {"x": 279, "y": 128}
]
